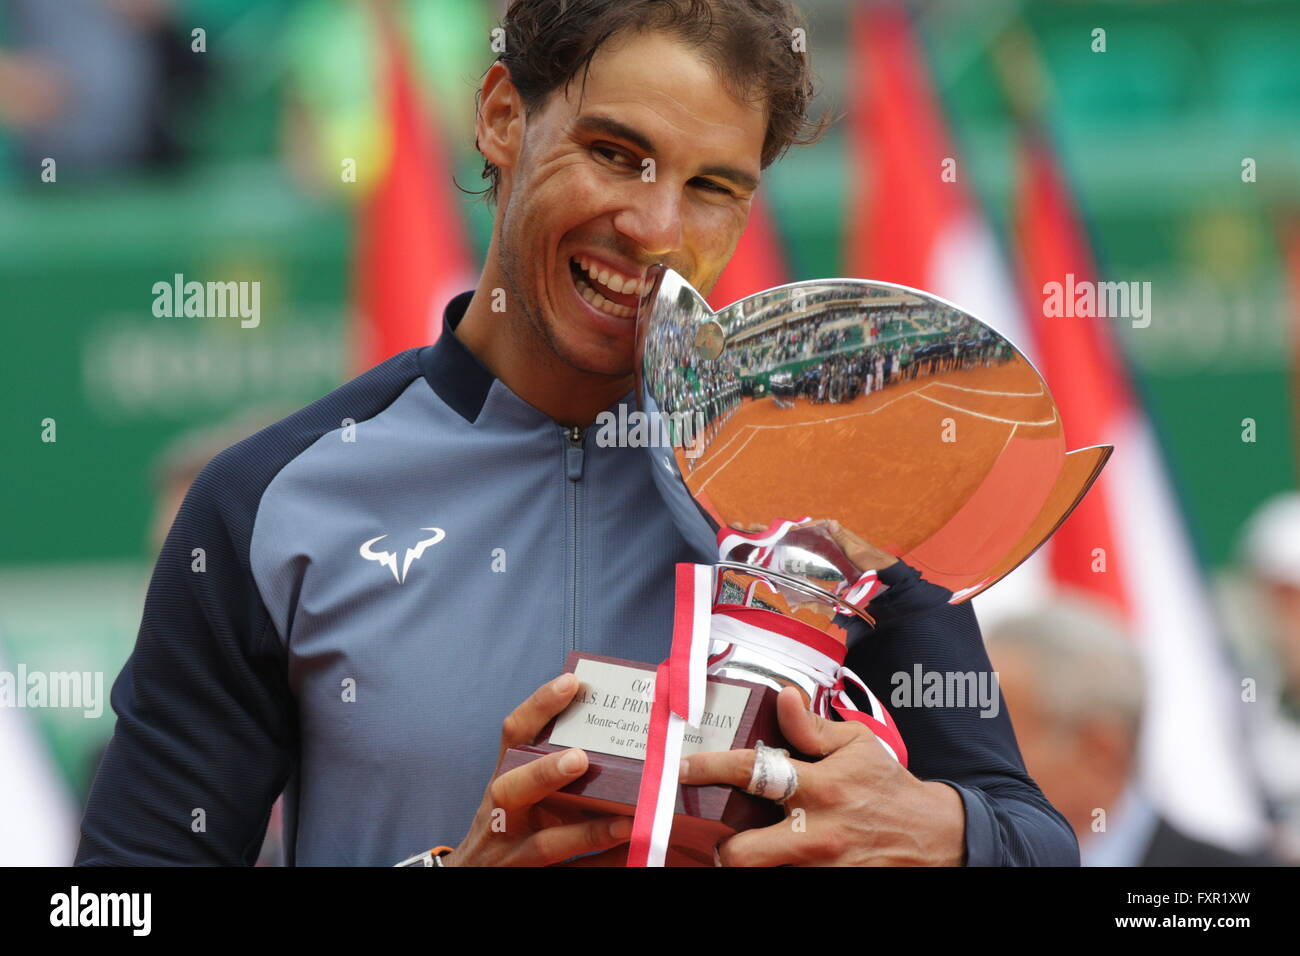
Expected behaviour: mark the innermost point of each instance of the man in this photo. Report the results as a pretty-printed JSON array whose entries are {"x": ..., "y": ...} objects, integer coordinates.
[
  {"x": 388, "y": 570},
  {"x": 1074, "y": 680},
  {"x": 1265, "y": 603}
]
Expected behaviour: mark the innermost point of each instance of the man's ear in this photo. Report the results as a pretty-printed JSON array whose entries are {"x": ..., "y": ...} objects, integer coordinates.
[{"x": 499, "y": 123}]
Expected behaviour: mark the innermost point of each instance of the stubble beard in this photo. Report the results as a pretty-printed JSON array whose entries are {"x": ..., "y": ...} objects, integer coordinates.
[{"x": 533, "y": 330}]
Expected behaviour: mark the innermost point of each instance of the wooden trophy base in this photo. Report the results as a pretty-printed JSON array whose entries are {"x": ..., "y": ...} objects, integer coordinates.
[{"x": 611, "y": 710}]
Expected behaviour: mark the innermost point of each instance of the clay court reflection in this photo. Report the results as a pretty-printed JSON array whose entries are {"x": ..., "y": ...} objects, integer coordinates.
[{"x": 920, "y": 429}]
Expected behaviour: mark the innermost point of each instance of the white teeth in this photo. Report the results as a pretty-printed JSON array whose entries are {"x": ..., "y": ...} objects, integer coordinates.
[
  {"x": 615, "y": 282},
  {"x": 598, "y": 301}
]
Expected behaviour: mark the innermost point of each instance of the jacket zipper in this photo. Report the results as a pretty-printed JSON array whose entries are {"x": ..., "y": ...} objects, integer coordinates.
[{"x": 573, "y": 465}]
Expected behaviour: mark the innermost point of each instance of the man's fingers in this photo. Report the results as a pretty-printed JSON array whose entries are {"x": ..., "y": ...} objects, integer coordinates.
[
  {"x": 734, "y": 768},
  {"x": 810, "y": 734},
  {"x": 536, "y": 780},
  {"x": 731, "y": 767},
  {"x": 864, "y": 555},
  {"x": 615, "y": 857},
  {"x": 556, "y": 844},
  {"x": 805, "y": 732},
  {"x": 526, "y": 721},
  {"x": 777, "y": 845},
  {"x": 551, "y": 813}
]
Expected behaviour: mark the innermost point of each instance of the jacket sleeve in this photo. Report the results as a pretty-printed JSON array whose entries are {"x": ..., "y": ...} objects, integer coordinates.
[
  {"x": 205, "y": 736},
  {"x": 972, "y": 749}
]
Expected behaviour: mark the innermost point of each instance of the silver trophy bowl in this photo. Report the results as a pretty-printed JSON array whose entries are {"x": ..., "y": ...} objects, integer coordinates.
[{"x": 900, "y": 425}]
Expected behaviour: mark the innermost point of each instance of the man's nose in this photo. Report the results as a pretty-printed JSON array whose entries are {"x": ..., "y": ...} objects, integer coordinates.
[{"x": 652, "y": 217}]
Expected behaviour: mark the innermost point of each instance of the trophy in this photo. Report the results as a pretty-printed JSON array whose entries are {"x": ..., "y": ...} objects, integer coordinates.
[{"x": 811, "y": 435}]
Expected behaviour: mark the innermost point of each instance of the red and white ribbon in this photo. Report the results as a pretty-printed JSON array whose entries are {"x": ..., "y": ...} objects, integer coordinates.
[{"x": 680, "y": 686}]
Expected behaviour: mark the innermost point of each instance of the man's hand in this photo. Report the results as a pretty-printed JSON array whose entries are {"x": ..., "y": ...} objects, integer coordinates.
[
  {"x": 860, "y": 807},
  {"x": 864, "y": 555},
  {"x": 511, "y": 828}
]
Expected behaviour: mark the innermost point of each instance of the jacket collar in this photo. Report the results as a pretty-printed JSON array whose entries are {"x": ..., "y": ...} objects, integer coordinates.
[
  {"x": 452, "y": 370},
  {"x": 456, "y": 373}
]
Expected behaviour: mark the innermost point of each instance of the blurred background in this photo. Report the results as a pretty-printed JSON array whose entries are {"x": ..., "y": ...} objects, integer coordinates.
[{"x": 1150, "y": 656}]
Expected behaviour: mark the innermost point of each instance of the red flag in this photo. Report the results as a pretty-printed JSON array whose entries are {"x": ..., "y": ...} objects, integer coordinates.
[
  {"x": 1078, "y": 361},
  {"x": 912, "y": 220},
  {"x": 412, "y": 255},
  {"x": 1126, "y": 543},
  {"x": 757, "y": 263}
]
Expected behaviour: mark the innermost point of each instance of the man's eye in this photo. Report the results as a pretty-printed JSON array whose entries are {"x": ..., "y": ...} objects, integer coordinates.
[
  {"x": 710, "y": 186},
  {"x": 609, "y": 152}
]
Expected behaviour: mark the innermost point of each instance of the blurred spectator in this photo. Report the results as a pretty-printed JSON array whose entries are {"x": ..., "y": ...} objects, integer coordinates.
[
  {"x": 1074, "y": 688},
  {"x": 38, "y": 815},
  {"x": 97, "y": 85},
  {"x": 1268, "y": 608}
]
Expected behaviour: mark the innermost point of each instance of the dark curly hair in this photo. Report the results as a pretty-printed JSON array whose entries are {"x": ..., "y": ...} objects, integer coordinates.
[{"x": 749, "y": 44}]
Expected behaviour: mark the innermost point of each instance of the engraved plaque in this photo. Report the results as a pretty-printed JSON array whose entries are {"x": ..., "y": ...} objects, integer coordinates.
[{"x": 611, "y": 712}]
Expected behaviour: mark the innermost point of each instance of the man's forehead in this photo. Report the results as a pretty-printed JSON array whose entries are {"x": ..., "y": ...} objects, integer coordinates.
[{"x": 655, "y": 83}]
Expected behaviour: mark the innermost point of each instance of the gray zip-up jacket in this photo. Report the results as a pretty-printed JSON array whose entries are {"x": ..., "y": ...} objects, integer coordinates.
[{"x": 350, "y": 602}]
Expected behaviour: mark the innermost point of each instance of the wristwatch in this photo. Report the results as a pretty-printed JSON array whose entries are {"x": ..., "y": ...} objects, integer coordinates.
[{"x": 428, "y": 857}]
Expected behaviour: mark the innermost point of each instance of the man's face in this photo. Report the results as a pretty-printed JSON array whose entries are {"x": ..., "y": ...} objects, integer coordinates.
[
  {"x": 580, "y": 196},
  {"x": 1078, "y": 768},
  {"x": 1285, "y": 600}
]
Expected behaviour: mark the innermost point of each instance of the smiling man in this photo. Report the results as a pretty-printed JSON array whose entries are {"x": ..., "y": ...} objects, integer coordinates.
[
  {"x": 386, "y": 572},
  {"x": 647, "y": 158}
]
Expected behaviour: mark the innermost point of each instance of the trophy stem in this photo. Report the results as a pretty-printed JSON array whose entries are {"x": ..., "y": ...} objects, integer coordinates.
[{"x": 801, "y": 585}]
